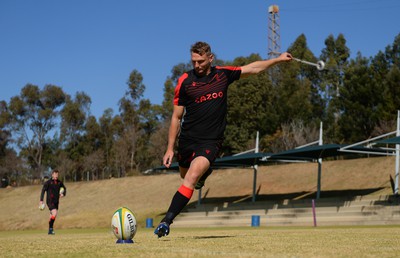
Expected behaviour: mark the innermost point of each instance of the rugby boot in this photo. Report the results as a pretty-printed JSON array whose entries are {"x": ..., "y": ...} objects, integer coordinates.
[{"x": 162, "y": 229}]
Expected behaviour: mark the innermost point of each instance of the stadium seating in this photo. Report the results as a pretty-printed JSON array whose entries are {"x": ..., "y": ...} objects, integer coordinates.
[{"x": 359, "y": 210}]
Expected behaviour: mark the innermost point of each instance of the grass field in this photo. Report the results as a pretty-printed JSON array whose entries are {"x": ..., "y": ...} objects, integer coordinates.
[
  {"x": 82, "y": 227},
  {"x": 91, "y": 204},
  {"x": 376, "y": 241}
]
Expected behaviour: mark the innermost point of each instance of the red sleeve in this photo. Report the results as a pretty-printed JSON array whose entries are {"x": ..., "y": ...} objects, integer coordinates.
[
  {"x": 232, "y": 68},
  {"x": 178, "y": 88},
  {"x": 233, "y": 72}
]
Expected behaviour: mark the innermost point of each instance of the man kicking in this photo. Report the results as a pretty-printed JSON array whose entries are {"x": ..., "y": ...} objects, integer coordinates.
[{"x": 199, "y": 117}]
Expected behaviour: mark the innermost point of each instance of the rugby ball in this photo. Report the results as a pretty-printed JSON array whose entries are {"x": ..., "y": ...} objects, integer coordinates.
[
  {"x": 62, "y": 190},
  {"x": 42, "y": 206},
  {"x": 123, "y": 224}
]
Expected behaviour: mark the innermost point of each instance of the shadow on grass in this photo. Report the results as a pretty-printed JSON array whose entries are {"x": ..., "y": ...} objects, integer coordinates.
[{"x": 211, "y": 237}]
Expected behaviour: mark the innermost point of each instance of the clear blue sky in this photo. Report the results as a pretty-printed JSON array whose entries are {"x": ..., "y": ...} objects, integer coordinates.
[{"x": 93, "y": 45}]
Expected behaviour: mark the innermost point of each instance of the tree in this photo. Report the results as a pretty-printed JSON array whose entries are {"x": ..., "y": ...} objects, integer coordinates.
[
  {"x": 107, "y": 135},
  {"x": 66, "y": 165},
  {"x": 369, "y": 98},
  {"x": 13, "y": 166},
  {"x": 297, "y": 99},
  {"x": 10, "y": 164},
  {"x": 74, "y": 116},
  {"x": 359, "y": 100},
  {"x": 393, "y": 52},
  {"x": 4, "y": 133},
  {"x": 290, "y": 135},
  {"x": 157, "y": 144},
  {"x": 149, "y": 119},
  {"x": 387, "y": 72},
  {"x": 129, "y": 106},
  {"x": 167, "y": 105},
  {"x": 34, "y": 115},
  {"x": 93, "y": 163},
  {"x": 250, "y": 109},
  {"x": 309, "y": 77},
  {"x": 336, "y": 57}
]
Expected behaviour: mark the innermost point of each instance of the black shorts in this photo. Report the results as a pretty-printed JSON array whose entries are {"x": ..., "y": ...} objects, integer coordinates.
[
  {"x": 52, "y": 205},
  {"x": 189, "y": 150}
]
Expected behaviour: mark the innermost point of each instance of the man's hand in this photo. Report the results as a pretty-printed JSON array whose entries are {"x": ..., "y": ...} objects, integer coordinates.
[
  {"x": 284, "y": 57},
  {"x": 41, "y": 205},
  {"x": 167, "y": 159}
]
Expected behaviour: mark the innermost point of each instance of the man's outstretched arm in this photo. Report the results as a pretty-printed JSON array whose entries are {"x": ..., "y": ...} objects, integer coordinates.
[{"x": 259, "y": 66}]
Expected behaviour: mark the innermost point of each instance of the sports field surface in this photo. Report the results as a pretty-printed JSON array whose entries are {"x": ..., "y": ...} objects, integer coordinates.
[
  {"x": 91, "y": 204},
  {"x": 83, "y": 225},
  {"x": 371, "y": 241}
]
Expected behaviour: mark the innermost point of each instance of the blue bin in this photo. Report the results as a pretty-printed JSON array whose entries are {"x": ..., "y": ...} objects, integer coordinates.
[
  {"x": 149, "y": 223},
  {"x": 255, "y": 220}
]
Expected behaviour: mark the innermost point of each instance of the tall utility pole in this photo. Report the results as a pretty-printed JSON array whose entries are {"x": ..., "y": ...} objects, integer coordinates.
[{"x": 274, "y": 35}]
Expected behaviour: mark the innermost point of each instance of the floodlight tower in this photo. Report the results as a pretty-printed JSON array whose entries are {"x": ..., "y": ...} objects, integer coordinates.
[{"x": 274, "y": 37}]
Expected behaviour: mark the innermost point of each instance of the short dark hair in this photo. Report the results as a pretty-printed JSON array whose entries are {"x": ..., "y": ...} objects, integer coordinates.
[
  {"x": 201, "y": 48},
  {"x": 55, "y": 171}
]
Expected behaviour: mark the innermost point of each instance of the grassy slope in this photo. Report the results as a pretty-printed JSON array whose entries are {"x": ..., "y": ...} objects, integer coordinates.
[{"x": 91, "y": 204}]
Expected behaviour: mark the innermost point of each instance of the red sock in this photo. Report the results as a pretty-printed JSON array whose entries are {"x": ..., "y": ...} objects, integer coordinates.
[
  {"x": 179, "y": 201},
  {"x": 51, "y": 221},
  {"x": 185, "y": 191}
]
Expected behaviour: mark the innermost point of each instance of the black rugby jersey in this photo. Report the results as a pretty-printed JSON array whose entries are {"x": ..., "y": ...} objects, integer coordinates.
[
  {"x": 205, "y": 102},
  {"x": 52, "y": 187}
]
